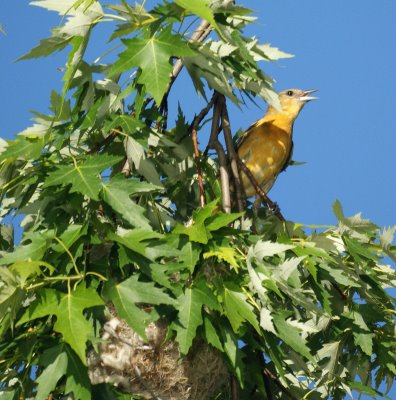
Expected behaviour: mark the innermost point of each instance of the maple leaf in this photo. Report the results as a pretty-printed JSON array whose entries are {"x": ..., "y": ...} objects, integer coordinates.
[
  {"x": 152, "y": 55},
  {"x": 84, "y": 177},
  {"x": 68, "y": 309}
]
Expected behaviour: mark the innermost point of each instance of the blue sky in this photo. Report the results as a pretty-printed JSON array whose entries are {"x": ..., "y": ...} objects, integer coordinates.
[
  {"x": 346, "y": 49},
  {"x": 347, "y": 138}
]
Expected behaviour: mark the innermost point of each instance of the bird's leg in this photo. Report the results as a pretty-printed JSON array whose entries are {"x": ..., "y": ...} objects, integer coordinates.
[
  {"x": 271, "y": 205},
  {"x": 273, "y": 208}
]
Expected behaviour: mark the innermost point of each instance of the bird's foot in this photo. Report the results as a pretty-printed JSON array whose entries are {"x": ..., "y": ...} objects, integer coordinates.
[{"x": 273, "y": 209}]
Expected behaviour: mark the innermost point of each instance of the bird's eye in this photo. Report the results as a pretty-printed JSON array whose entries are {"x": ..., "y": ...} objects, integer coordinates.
[{"x": 290, "y": 93}]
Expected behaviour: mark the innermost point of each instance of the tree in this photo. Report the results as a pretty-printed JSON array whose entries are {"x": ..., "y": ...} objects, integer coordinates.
[{"x": 131, "y": 259}]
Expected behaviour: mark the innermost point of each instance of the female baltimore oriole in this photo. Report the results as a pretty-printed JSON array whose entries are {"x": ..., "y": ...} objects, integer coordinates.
[{"x": 266, "y": 146}]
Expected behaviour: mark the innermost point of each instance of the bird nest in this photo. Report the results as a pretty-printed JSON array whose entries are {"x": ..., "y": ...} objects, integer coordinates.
[{"x": 154, "y": 369}]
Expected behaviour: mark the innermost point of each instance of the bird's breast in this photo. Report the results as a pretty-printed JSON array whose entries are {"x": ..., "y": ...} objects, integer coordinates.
[{"x": 265, "y": 151}]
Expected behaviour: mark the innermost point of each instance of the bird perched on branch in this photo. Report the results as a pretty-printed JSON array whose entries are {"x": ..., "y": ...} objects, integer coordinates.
[{"x": 266, "y": 146}]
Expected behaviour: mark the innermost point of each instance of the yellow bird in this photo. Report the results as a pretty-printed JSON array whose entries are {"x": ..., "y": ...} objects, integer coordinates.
[{"x": 266, "y": 146}]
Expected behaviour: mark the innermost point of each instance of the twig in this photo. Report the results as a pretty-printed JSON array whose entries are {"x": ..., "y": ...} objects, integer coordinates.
[
  {"x": 225, "y": 122},
  {"x": 199, "y": 35},
  {"x": 216, "y": 145},
  {"x": 258, "y": 189},
  {"x": 107, "y": 140},
  {"x": 234, "y": 388},
  {"x": 278, "y": 383},
  {"x": 199, "y": 169},
  {"x": 266, "y": 380},
  {"x": 193, "y": 128}
]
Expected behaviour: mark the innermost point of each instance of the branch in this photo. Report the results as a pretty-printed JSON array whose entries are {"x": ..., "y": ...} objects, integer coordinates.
[
  {"x": 266, "y": 380},
  {"x": 233, "y": 157},
  {"x": 278, "y": 383},
  {"x": 216, "y": 145},
  {"x": 199, "y": 35},
  {"x": 259, "y": 191},
  {"x": 193, "y": 128}
]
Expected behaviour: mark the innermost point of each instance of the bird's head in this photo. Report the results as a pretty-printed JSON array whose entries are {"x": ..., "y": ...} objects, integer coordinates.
[{"x": 293, "y": 100}]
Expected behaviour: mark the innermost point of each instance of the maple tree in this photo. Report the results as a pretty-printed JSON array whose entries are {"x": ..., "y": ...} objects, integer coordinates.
[{"x": 125, "y": 217}]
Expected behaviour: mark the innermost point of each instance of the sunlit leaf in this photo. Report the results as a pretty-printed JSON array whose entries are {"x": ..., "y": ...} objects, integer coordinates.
[
  {"x": 127, "y": 295},
  {"x": 117, "y": 194},
  {"x": 83, "y": 177},
  {"x": 238, "y": 309},
  {"x": 152, "y": 54}
]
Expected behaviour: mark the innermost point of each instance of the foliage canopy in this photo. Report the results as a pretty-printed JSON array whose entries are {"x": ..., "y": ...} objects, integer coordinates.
[{"x": 112, "y": 218}]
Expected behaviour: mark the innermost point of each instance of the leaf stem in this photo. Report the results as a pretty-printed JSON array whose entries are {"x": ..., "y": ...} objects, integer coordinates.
[
  {"x": 100, "y": 276},
  {"x": 68, "y": 252}
]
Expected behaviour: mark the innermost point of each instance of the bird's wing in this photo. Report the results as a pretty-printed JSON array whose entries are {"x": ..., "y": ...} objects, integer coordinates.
[
  {"x": 245, "y": 134},
  {"x": 289, "y": 158}
]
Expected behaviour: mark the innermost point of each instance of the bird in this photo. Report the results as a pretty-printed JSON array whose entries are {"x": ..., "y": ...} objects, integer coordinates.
[{"x": 266, "y": 146}]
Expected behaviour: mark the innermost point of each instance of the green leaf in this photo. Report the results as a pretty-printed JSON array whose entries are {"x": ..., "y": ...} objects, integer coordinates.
[
  {"x": 338, "y": 211},
  {"x": 83, "y": 177},
  {"x": 136, "y": 154},
  {"x": 331, "y": 351},
  {"x": 189, "y": 255},
  {"x": 340, "y": 276},
  {"x": 86, "y": 4},
  {"x": 126, "y": 123},
  {"x": 367, "y": 390},
  {"x": 220, "y": 220},
  {"x": 48, "y": 46},
  {"x": 60, "y": 107},
  {"x": 117, "y": 194},
  {"x": 266, "y": 320},
  {"x": 6, "y": 234},
  {"x": 190, "y": 317},
  {"x": 26, "y": 269},
  {"x": 285, "y": 269},
  {"x": 77, "y": 24},
  {"x": 211, "y": 335},
  {"x": 152, "y": 55},
  {"x": 227, "y": 254},
  {"x": 11, "y": 298},
  {"x": 267, "y": 52},
  {"x": 68, "y": 309},
  {"x": 267, "y": 249},
  {"x": 208, "y": 65},
  {"x": 200, "y": 8},
  {"x": 79, "y": 44},
  {"x": 77, "y": 380},
  {"x": 55, "y": 363},
  {"x": 135, "y": 239},
  {"x": 70, "y": 320},
  {"x": 231, "y": 347},
  {"x": 33, "y": 251},
  {"x": 386, "y": 236},
  {"x": 197, "y": 230},
  {"x": 364, "y": 341},
  {"x": 47, "y": 303},
  {"x": 23, "y": 148},
  {"x": 290, "y": 334},
  {"x": 238, "y": 309},
  {"x": 70, "y": 236},
  {"x": 130, "y": 292},
  {"x": 8, "y": 394},
  {"x": 358, "y": 251}
]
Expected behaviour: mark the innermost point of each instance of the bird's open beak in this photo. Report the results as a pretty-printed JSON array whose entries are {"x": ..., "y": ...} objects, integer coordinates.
[{"x": 305, "y": 97}]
